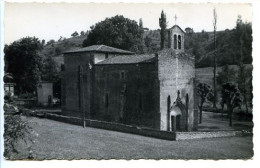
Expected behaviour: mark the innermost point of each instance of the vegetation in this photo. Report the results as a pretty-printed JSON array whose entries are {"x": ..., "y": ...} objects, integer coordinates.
[
  {"x": 117, "y": 31},
  {"x": 203, "y": 90},
  {"x": 231, "y": 97},
  {"x": 214, "y": 58},
  {"x": 163, "y": 26},
  {"x": 18, "y": 131},
  {"x": 75, "y": 34},
  {"x": 23, "y": 61}
]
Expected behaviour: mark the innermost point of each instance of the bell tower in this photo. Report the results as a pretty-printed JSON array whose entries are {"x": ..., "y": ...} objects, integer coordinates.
[{"x": 176, "y": 38}]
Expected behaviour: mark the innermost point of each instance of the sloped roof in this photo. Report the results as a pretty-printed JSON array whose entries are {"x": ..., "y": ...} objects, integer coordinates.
[
  {"x": 128, "y": 59},
  {"x": 177, "y": 27},
  {"x": 100, "y": 49}
]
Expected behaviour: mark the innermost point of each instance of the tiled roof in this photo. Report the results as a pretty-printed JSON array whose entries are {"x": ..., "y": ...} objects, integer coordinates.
[
  {"x": 100, "y": 48},
  {"x": 177, "y": 27},
  {"x": 128, "y": 59}
]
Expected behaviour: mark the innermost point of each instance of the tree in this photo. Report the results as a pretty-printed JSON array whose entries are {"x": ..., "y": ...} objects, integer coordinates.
[
  {"x": 203, "y": 90},
  {"x": 228, "y": 74},
  {"x": 163, "y": 26},
  {"x": 51, "y": 73},
  {"x": 74, "y": 34},
  {"x": 50, "y": 42},
  {"x": 244, "y": 75},
  {"x": 150, "y": 45},
  {"x": 189, "y": 31},
  {"x": 244, "y": 80},
  {"x": 215, "y": 57},
  {"x": 82, "y": 33},
  {"x": 22, "y": 59},
  {"x": 141, "y": 27},
  {"x": 43, "y": 42},
  {"x": 231, "y": 97},
  {"x": 117, "y": 31}
]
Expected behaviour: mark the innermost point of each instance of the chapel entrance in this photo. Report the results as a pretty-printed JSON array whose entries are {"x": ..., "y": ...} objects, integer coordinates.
[{"x": 176, "y": 123}]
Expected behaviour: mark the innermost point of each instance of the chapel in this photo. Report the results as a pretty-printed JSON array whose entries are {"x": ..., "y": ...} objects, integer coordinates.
[{"x": 148, "y": 90}]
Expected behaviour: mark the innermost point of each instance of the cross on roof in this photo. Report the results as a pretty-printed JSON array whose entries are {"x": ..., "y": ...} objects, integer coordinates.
[{"x": 175, "y": 17}]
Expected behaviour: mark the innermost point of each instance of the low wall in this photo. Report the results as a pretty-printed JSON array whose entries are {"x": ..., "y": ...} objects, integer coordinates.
[
  {"x": 114, "y": 126},
  {"x": 167, "y": 135}
]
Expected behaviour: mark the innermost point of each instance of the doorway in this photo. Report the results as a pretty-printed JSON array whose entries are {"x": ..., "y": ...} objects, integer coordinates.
[{"x": 176, "y": 123}]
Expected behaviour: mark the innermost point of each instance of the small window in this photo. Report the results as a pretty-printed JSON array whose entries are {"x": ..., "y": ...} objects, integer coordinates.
[
  {"x": 175, "y": 41},
  {"x": 122, "y": 75},
  {"x": 179, "y": 42},
  {"x": 106, "y": 56}
]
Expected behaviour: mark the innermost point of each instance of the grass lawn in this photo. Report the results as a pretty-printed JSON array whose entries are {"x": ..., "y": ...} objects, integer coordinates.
[{"x": 58, "y": 140}]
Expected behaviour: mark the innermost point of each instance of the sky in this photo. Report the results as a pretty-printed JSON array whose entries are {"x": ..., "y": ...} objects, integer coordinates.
[{"x": 52, "y": 20}]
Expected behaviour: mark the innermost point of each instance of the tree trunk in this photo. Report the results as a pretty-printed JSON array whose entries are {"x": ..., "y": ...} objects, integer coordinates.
[
  {"x": 230, "y": 116},
  {"x": 245, "y": 101},
  {"x": 200, "y": 115},
  {"x": 214, "y": 83}
]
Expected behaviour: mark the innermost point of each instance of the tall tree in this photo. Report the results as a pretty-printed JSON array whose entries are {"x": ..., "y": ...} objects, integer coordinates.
[
  {"x": 22, "y": 59},
  {"x": 117, "y": 31},
  {"x": 215, "y": 57},
  {"x": 243, "y": 74},
  {"x": 163, "y": 26}
]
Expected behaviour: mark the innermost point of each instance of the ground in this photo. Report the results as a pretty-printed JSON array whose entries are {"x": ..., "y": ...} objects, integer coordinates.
[{"x": 58, "y": 140}]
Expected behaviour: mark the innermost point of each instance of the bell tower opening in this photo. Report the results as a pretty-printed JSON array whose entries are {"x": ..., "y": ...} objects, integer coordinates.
[{"x": 176, "y": 38}]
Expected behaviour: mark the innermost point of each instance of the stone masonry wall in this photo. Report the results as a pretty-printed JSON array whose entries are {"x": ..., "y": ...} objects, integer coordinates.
[
  {"x": 176, "y": 72},
  {"x": 71, "y": 83},
  {"x": 132, "y": 99}
]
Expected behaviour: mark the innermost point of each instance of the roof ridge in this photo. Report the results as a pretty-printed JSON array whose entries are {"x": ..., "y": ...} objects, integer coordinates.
[{"x": 100, "y": 46}]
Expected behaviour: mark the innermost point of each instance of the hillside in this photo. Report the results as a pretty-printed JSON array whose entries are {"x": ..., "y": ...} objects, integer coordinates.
[
  {"x": 56, "y": 49},
  {"x": 205, "y": 75},
  {"x": 200, "y": 44}
]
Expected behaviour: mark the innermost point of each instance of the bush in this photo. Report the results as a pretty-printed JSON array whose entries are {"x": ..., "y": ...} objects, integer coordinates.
[{"x": 18, "y": 138}]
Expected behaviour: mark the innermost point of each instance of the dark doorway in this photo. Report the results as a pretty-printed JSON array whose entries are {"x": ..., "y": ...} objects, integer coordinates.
[
  {"x": 173, "y": 123},
  {"x": 178, "y": 123}
]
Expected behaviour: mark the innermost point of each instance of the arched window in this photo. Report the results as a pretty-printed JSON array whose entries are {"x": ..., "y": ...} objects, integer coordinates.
[
  {"x": 179, "y": 42},
  {"x": 175, "y": 41}
]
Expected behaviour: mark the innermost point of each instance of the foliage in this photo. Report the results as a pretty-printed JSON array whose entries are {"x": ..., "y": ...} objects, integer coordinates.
[
  {"x": 228, "y": 74},
  {"x": 163, "y": 26},
  {"x": 82, "y": 33},
  {"x": 151, "y": 47},
  {"x": 189, "y": 31},
  {"x": 15, "y": 131},
  {"x": 231, "y": 97},
  {"x": 50, "y": 69},
  {"x": 228, "y": 46},
  {"x": 202, "y": 90},
  {"x": 50, "y": 42},
  {"x": 51, "y": 73},
  {"x": 22, "y": 59},
  {"x": 244, "y": 80},
  {"x": 75, "y": 34},
  {"x": 58, "y": 50},
  {"x": 117, "y": 31}
]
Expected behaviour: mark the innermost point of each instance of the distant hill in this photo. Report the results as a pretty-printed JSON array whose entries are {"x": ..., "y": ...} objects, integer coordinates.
[
  {"x": 200, "y": 44},
  {"x": 56, "y": 49}
]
